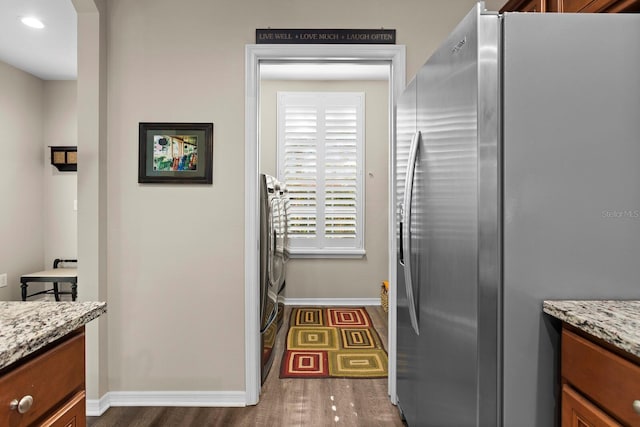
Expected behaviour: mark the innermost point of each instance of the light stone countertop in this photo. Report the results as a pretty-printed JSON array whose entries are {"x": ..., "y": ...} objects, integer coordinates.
[
  {"x": 30, "y": 325},
  {"x": 614, "y": 321}
]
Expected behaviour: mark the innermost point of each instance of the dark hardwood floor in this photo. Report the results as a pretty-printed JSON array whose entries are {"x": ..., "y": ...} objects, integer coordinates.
[{"x": 283, "y": 402}]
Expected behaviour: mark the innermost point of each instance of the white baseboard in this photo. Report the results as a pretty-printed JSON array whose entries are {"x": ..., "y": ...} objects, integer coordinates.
[
  {"x": 333, "y": 302},
  {"x": 96, "y": 408}
]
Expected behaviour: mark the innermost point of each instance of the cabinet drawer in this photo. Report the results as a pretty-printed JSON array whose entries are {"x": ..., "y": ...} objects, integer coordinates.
[
  {"x": 578, "y": 411},
  {"x": 72, "y": 414},
  {"x": 605, "y": 378},
  {"x": 50, "y": 379}
]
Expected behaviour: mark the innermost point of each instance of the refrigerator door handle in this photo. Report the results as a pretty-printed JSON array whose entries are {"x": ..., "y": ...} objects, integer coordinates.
[{"x": 406, "y": 229}]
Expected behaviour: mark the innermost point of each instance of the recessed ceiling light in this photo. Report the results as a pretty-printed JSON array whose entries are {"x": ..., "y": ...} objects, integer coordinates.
[{"x": 32, "y": 22}]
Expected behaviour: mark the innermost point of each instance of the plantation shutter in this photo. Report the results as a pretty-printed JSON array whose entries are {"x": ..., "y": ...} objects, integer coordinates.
[
  {"x": 301, "y": 167},
  {"x": 320, "y": 159}
]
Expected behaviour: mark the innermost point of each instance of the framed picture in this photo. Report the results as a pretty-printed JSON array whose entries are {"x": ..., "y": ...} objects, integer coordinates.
[{"x": 175, "y": 153}]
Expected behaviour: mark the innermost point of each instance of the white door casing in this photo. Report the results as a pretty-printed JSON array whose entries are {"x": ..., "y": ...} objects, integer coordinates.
[{"x": 254, "y": 54}]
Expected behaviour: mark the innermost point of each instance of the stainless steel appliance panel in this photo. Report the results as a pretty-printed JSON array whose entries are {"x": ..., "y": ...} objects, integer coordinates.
[
  {"x": 489, "y": 223},
  {"x": 264, "y": 246},
  {"x": 571, "y": 186},
  {"x": 272, "y": 263},
  {"x": 447, "y": 193},
  {"x": 526, "y": 188},
  {"x": 407, "y": 356}
]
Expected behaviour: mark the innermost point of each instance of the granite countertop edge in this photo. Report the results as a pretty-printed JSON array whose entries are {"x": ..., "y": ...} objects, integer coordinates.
[
  {"x": 616, "y": 322},
  {"x": 26, "y": 327}
]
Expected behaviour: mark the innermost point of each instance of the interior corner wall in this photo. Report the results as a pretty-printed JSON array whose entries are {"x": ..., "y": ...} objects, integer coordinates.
[
  {"x": 334, "y": 277},
  {"x": 176, "y": 252},
  {"x": 92, "y": 212},
  {"x": 21, "y": 189},
  {"x": 60, "y": 128}
]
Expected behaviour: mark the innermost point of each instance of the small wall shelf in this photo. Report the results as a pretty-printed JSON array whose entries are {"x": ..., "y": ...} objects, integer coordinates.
[{"x": 65, "y": 158}]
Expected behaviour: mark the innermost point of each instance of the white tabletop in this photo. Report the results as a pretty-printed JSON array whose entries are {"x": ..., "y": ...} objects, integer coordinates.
[{"x": 53, "y": 273}]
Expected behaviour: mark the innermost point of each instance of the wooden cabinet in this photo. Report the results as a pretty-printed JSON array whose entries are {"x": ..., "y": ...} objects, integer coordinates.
[
  {"x": 48, "y": 388},
  {"x": 601, "y": 387},
  {"x": 570, "y": 6},
  {"x": 525, "y": 6},
  {"x": 72, "y": 414},
  {"x": 579, "y": 412}
]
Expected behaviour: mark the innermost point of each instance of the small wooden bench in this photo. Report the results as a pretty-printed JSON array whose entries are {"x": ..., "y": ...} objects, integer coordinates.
[{"x": 55, "y": 276}]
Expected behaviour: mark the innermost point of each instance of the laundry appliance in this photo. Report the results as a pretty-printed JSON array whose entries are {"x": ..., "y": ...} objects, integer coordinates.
[
  {"x": 273, "y": 257},
  {"x": 518, "y": 177}
]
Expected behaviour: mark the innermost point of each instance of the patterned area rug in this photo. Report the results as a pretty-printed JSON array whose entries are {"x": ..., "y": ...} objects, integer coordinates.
[{"x": 324, "y": 342}]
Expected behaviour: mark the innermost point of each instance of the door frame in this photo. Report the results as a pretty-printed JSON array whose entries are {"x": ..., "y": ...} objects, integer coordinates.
[{"x": 254, "y": 54}]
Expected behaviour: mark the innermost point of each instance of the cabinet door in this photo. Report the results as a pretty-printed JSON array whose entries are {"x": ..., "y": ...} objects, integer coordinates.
[
  {"x": 533, "y": 6},
  {"x": 594, "y": 6},
  {"x": 48, "y": 378},
  {"x": 579, "y": 412},
  {"x": 610, "y": 381},
  {"x": 71, "y": 414},
  {"x": 582, "y": 5},
  {"x": 524, "y": 6}
]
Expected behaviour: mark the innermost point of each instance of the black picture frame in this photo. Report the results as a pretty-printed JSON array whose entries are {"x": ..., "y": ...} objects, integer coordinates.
[{"x": 175, "y": 153}]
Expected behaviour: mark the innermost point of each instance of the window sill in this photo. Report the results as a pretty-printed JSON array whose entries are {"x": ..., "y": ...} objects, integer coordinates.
[{"x": 324, "y": 253}]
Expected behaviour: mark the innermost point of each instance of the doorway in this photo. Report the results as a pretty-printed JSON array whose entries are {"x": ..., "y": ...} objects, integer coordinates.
[{"x": 394, "y": 56}]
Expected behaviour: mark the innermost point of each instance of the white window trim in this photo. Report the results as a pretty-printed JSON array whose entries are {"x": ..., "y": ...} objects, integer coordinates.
[
  {"x": 321, "y": 246},
  {"x": 328, "y": 253}
]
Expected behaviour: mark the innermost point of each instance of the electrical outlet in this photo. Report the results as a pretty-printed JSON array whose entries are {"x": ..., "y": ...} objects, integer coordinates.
[
  {"x": 3, "y": 280},
  {"x": 75, "y": 205}
]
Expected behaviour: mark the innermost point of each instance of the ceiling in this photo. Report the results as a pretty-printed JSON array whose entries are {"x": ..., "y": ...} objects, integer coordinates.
[{"x": 49, "y": 53}]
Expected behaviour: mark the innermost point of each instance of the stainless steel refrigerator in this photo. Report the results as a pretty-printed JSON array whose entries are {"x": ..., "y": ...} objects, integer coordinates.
[{"x": 518, "y": 180}]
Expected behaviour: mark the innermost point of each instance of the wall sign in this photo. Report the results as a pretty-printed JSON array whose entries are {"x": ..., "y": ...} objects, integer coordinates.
[{"x": 324, "y": 36}]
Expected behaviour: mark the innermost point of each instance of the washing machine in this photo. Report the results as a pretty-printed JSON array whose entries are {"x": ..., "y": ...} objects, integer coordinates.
[
  {"x": 282, "y": 248},
  {"x": 282, "y": 234},
  {"x": 273, "y": 257}
]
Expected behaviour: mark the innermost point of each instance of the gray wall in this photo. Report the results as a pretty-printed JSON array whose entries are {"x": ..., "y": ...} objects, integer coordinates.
[
  {"x": 340, "y": 278},
  {"x": 37, "y": 221},
  {"x": 60, "y": 188},
  {"x": 161, "y": 284},
  {"x": 156, "y": 288},
  {"x": 21, "y": 177}
]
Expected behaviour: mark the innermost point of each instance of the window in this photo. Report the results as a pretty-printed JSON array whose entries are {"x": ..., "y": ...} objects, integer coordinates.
[{"x": 321, "y": 161}]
